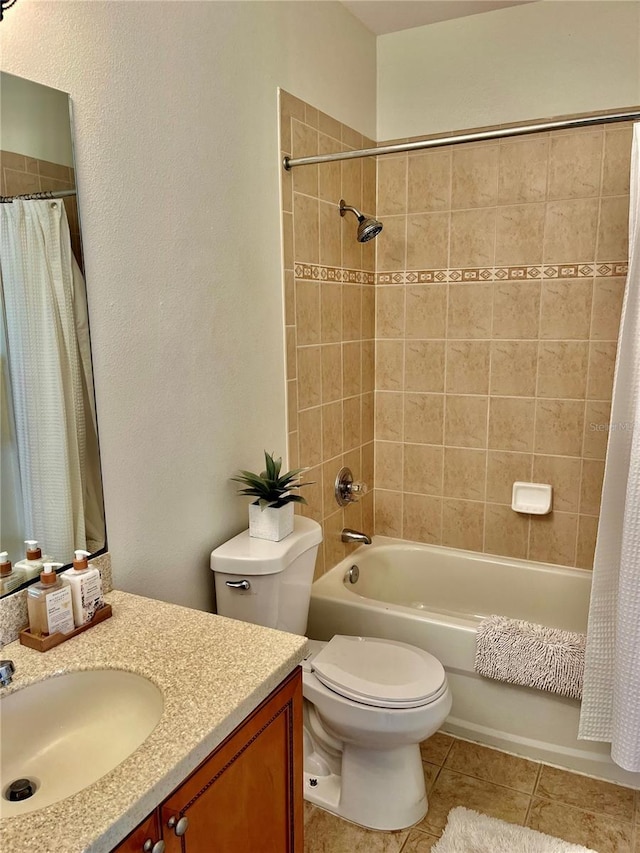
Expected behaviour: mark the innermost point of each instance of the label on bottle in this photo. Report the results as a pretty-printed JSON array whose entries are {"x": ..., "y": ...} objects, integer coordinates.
[
  {"x": 59, "y": 611},
  {"x": 91, "y": 596}
]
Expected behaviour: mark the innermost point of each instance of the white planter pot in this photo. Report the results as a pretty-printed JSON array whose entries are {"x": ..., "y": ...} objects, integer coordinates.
[{"x": 270, "y": 523}]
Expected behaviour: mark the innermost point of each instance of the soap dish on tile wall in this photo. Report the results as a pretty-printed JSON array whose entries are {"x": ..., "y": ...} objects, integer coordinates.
[
  {"x": 43, "y": 644},
  {"x": 532, "y": 498}
]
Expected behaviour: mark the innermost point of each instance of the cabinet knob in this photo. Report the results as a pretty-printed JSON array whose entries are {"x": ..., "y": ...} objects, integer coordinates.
[
  {"x": 150, "y": 847},
  {"x": 178, "y": 825}
]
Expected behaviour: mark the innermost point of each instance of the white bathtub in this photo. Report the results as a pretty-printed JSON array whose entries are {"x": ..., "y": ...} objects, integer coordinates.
[{"x": 434, "y": 598}]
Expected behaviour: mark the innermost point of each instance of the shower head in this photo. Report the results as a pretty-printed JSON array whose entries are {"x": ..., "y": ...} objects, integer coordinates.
[{"x": 368, "y": 228}]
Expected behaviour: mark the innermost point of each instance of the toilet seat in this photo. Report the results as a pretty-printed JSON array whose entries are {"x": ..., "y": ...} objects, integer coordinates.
[{"x": 380, "y": 673}]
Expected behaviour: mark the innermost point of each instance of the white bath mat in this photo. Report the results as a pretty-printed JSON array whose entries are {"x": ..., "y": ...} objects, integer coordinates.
[{"x": 471, "y": 832}]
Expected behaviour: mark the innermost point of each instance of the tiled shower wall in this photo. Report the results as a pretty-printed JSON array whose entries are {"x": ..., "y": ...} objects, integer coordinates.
[
  {"x": 500, "y": 277},
  {"x": 330, "y": 319},
  {"x": 20, "y": 174}
]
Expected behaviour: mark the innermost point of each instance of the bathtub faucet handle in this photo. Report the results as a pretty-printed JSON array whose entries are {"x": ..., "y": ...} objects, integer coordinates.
[{"x": 346, "y": 490}]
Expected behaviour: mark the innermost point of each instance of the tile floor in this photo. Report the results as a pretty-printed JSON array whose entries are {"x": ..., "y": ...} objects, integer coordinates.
[{"x": 599, "y": 815}]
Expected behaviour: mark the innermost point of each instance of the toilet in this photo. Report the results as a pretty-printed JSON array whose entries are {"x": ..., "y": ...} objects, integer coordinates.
[{"x": 369, "y": 702}]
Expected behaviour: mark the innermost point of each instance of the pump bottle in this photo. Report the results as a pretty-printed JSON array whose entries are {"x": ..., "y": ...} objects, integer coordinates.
[
  {"x": 9, "y": 579},
  {"x": 49, "y": 604},
  {"x": 85, "y": 584},
  {"x": 33, "y": 564}
]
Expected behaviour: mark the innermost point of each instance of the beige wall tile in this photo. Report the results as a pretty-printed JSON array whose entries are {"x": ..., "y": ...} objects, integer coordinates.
[
  {"x": 472, "y": 238},
  {"x": 426, "y": 310},
  {"x": 292, "y": 405},
  {"x": 565, "y": 313},
  {"x": 351, "y": 369},
  {"x": 429, "y": 181},
  {"x": 391, "y": 244},
  {"x": 596, "y": 429},
  {"x": 352, "y": 423},
  {"x": 474, "y": 179},
  {"x": 423, "y": 418},
  {"x": 608, "y": 294},
  {"x": 330, "y": 312},
  {"x": 465, "y": 473},
  {"x": 519, "y": 234},
  {"x": 351, "y": 312},
  {"x": 392, "y": 185},
  {"x": 511, "y": 423},
  {"x": 613, "y": 229},
  {"x": 310, "y": 437},
  {"x": 307, "y": 312},
  {"x": 388, "y": 407},
  {"x": 591, "y": 486},
  {"x": 562, "y": 369},
  {"x": 503, "y": 470},
  {"x": 617, "y": 162},
  {"x": 309, "y": 377},
  {"x": 423, "y": 469},
  {"x": 516, "y": 309},
  {"x": 427, "y": 241},
  {"x": 287, "y": 240},
  {"x": 422, "y": 519},
  {"x": 330, "y": 249},
  {"x": 368, "y": 417},
  {"x": 390, "y": 312},
  {"x": 368, "y": 312},
  {"x": 387, "y": 513},
  {"x": 287, "y": 187},
  {"x": 506, "y": 531},
  {"x": 563, "y": 473},
  {"x": 466, "y": 421},
  {"x": 351, "y": 249},
  {"x": 331, "y": 430},
  {"x": 304, "y": 142},
  {"x": 312, "y": 494},
  {"x": 575, "y": 163},
  {"x": 334, "y": 549},
  {"x": 559, "y": 427},
  {"x": 522, "y": 173},
  {"x": 463, "y": 524},
  {"x": 424, "y": 366},
  {"x": 331, "y": 127},
  {"x": 305, "y": 229},
  {"x": 514, "y": 368},
  {"x": 570, "y": 231},
  {"x": 293, "y": 456},
  {"x": 331, "y": 372},
  {"x": 602, "y": 361},
  {"x": 369, "y": 185},
  {"x": 553, "y": 538},
  {"x": 389, "y": 465},
  {"x": 389, "y": 365},
  {"x": 329, "y": 187},
  {"x": 468, "y": 367},
  {"x": 289, "y": 298},
  {"x": 368, "y": 463},
  {"x": 329, "y": 471},
  {"x": 470, "y": 310},
  {"x": 290, "y": 343},
  {"x": 368, "y": 366},
  {"x": 587, "y": 534},
  {"x": 20, "y": 183},
  {"x": 351, "y": 171}
]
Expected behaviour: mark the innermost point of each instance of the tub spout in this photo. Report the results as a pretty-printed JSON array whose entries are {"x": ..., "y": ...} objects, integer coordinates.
[{"x": 349, "y": 535}]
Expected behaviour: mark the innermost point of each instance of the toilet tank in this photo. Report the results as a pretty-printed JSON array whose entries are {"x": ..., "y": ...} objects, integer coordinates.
[{"x": 268, "y": 583}]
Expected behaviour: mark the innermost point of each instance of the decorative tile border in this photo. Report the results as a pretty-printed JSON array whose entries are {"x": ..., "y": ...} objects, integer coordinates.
[
  {"x": 317, "y": 272},
  {"x": 607, "y": 269}
]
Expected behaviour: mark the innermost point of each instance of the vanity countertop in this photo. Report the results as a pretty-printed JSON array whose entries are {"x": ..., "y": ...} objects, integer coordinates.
[{"x": 212, "y": 672}]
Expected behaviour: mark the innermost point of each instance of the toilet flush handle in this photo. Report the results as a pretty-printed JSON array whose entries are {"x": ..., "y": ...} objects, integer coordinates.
[{"x": 238, "y": 584}]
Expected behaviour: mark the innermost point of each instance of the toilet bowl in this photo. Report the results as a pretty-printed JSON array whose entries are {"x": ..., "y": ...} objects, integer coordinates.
[{"x": 368, "y": 702}]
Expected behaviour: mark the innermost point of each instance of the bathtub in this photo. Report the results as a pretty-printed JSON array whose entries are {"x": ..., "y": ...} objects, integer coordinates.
[{"x": 434, "y": 598}]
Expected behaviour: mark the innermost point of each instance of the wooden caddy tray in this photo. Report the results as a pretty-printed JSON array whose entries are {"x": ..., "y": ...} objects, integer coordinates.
[{"x": 43, "y": 644}]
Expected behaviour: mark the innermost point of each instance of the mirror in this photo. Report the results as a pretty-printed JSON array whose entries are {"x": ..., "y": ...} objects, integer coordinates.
[{"x": 51, "y": 484}]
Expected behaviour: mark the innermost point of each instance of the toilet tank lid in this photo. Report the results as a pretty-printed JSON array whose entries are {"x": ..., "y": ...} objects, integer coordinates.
[{"x": 247, "y": 555}]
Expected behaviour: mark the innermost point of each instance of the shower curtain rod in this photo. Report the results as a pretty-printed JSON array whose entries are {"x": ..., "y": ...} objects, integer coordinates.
[
  {"x": 585, "y": 121},
  {"x": 7, "y": 199}
]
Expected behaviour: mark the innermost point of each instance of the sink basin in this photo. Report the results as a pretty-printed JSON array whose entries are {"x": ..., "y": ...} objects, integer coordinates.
[{"x": 65, "y": 733}]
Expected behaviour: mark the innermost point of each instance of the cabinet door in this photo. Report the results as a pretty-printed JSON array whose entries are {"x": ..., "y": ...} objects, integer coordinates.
[
  {"x": 144, "y": 838},
  {"x": 247, "y": 797}
]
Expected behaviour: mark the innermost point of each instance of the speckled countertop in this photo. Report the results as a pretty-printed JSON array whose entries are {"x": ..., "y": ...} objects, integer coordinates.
[{"x": 212, "y": 672}]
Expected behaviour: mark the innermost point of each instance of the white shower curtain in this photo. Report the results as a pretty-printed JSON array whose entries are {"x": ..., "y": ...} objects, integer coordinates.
[
  {"x": 50, "y": 405},
  {"x": 611, "y": 694}
]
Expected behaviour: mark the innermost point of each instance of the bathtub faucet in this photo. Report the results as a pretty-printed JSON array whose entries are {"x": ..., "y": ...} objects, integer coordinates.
[{"x": 349, "y": 535}]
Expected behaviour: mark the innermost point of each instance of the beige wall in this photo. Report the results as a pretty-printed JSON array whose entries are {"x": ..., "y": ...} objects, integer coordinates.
[
  {"x": 510, "y": 65},
  {"x": 329, "y": 285},
  {"x": 500, "y": 275},
  {"x": 175, "y": 108}
]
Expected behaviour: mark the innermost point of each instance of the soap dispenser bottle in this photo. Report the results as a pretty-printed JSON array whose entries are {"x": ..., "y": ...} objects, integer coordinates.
[
  {"x": 49, "y": 604},
  {"x": 9, "y": 579},
  {"x": 33, "y": 564},
  {"x": 85, "y": 584}
]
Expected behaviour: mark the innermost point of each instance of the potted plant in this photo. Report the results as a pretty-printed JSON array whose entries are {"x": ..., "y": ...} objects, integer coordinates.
[{"x": 271, "y": 514}]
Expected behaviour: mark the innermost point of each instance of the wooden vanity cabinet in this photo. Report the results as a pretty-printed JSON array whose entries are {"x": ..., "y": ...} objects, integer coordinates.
[{"x": 246, "y": 797}]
